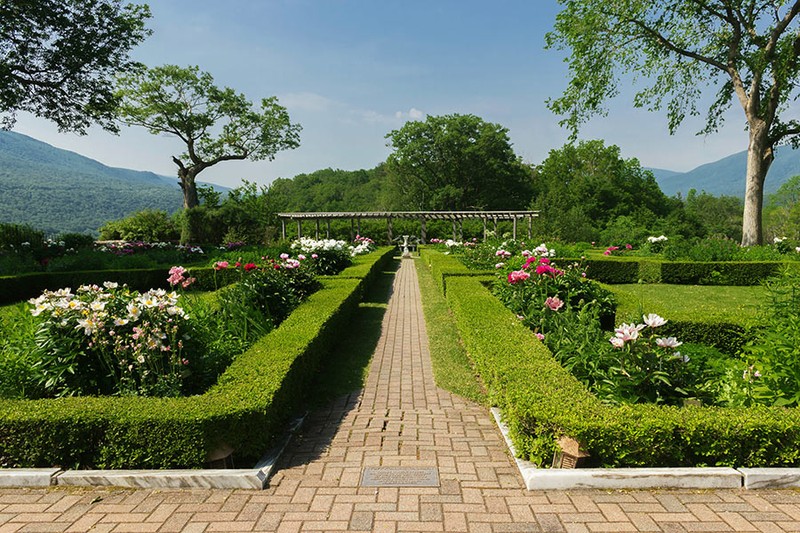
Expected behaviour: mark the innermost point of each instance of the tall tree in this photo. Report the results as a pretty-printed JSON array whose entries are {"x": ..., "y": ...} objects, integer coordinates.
[
  {"x": 745, "y": 49},
  {"x": 581, "y": 189},
  {"x": 215, "y": 124},
  {"x": 58, "y": 58},
  {"x": 456, "y": 162}
]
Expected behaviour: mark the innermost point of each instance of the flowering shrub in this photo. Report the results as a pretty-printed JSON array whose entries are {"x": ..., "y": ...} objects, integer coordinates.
[
  {"x": 363, "y": 245},
  {"x": 110, "y": 339},
  {"x": 533, "y": 287},
  {"x": 329, "y": 256}
]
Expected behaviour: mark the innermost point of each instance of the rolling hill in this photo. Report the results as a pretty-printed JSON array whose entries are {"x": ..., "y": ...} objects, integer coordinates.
[{"x": 61, "y": 191}]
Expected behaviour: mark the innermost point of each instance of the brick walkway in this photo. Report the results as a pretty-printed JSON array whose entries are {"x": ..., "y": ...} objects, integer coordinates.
[{"x": 400, "y": 419}]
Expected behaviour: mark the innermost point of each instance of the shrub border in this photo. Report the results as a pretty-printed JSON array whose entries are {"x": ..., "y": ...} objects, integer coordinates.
[
  {"x": 542, "y": 401},
  {"x": 245, "y": 409}
]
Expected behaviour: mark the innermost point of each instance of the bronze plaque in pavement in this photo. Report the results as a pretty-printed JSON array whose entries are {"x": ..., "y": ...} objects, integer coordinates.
[{"x": 399, "y": 476}]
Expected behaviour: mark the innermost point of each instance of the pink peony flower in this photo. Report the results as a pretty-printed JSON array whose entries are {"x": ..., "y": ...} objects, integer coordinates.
[
  {"x": 314, "y": 256},
  {"x": 284, "y": 256},
  {"x": 517, "y": 275},
  {"x": 220, "y": 265},
  {"x": 539, "y": 336},
  {"x": 668, "y": 342},
  {"x": 554, "y": 303},
  {"x": 250, "y": 266},
  {"x": 616, "y": 342},
  {"x": 499, "y": 265},
  {"x": 629, "y": 332}
]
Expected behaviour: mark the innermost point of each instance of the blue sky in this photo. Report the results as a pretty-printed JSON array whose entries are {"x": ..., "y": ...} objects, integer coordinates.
[{"x": 350, "y": 71}]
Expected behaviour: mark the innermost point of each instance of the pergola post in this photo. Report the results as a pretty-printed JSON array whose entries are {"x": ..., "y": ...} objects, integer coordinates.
[
  {"x": 352, "y": 235},
  {"x": 530, "y": 227},
  {"x": 299, "y": 227},
  {"x": 495, "y": 225},
  {"x": 328, "y": 228},
  {"x": 484, "y": 228},
  {"x": 423, "y": 236},
  {"x": 460, "y": 230},
  {"x": 389, "y": 228},
  {"x": 455, "y": 237},
  {"x": 515, "y": 227},
  {"x": 283, "y": 229},
  {"x": 316, "y": 235}
]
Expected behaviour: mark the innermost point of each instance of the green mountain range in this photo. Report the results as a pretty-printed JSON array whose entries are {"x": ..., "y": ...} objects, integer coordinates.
[
  {"x": 60, "y": 191},
  {"x": 726, "y": 176}
]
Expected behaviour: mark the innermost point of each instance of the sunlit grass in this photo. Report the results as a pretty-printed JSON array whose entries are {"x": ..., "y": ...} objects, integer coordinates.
[
  {"x": 452, "y": 368},
  {"x": 736, "y": 305}
]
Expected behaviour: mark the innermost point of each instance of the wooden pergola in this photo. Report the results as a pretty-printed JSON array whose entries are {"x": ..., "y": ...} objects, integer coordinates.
[{"x": 456, "y": 217}]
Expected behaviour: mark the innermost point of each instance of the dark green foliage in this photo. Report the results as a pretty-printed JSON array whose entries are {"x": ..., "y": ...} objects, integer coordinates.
[
  {"x": 59, "y": 58},
  {"x": 455, "y": 162},
  {"x": 582, "y": 190},
  {"x": 726, "y": 273},
  {"x": 727, "y": 338},
  {"x": 245, "y": 409},
  {"x": 719, "y": 216},
  {"x": 147, "y": 225},
  {"x": 331, "y": 190}
]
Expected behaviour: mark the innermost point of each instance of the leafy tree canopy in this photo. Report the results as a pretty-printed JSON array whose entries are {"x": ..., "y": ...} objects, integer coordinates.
[
  {"x": 580, "y": 189},
  {"x": 58, "y": 58},
  {"x": 215, "y": 124},
  {"x": 455, "y": 162},
  {"x": 746, "y": 50}
]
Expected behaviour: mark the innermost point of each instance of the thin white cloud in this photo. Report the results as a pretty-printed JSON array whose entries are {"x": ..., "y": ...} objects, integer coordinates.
[
  {"x": 308, "y": 101},
  {"x": 412, "y": 114}
]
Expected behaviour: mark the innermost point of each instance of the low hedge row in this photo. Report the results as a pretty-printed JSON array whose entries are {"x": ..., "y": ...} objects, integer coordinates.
[
  {"x": 443, "y": 266},
  {"x": 542, "y": 401},
  {"x": 250, "y": 403},
  {"x": 18, "y": 288},
  {"x": 682, "y": 273}
]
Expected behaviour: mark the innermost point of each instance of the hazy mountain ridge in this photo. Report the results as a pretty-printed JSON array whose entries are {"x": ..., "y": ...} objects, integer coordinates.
[
  {"x": 726, "y": 176},
  {"x": 61, "y": 191},
  {"x": 58, "y": 190}
]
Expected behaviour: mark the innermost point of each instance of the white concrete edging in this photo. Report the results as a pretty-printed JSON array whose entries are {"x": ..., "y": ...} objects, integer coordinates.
[
  {"x": 647, "y": 478},
  {"x": 253, "y": 478}
]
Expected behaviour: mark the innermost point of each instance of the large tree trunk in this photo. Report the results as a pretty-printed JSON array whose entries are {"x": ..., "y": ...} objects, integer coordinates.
[
  {"x": 759, "y": 159},
  {"x": 190, "y": 199}
]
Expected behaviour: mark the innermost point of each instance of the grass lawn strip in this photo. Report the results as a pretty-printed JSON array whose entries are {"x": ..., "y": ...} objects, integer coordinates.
[{"x": 452, "y": 367}]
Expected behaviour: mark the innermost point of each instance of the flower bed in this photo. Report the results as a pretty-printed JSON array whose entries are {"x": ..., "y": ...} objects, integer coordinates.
[
  {"x": 249, "y": 404},
  {"x": 542, "y": 401}
]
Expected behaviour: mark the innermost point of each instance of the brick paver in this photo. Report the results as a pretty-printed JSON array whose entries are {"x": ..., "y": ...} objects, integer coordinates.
[{"x": 400, "y": 419}]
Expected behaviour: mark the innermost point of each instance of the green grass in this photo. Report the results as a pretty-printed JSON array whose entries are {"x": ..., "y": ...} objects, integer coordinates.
[
  {"x": 735, "y": 305},
  {"x": 452, "y": 368},
  {"x": 346, "y": 369}
]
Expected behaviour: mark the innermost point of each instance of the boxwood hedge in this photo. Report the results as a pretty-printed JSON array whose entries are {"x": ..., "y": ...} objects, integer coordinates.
[
  {"x": 250, "y": 403},
  {"x": 542, "y": 401}
]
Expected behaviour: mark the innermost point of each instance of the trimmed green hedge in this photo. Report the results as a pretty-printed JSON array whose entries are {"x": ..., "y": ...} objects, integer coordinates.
[
  {"x": 542, "y": 401},
  {"x": 443, "y": 266},
  {"x": 243, "y": 411},
  {"x": 616, "y": 271}
]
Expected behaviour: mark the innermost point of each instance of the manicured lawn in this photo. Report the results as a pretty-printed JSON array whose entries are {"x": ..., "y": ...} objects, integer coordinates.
[
  {"x": 452, "y": 368},
  {"x": 736, "y": 305}
]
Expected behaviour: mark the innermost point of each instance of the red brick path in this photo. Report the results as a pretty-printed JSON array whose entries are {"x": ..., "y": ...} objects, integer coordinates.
[{"x": 400, "y": 419}]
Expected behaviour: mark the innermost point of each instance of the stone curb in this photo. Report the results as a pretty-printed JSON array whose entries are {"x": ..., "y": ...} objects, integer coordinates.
[
  {"x": 647, "y": 478},
  {"x": 254, "y": 478}
]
